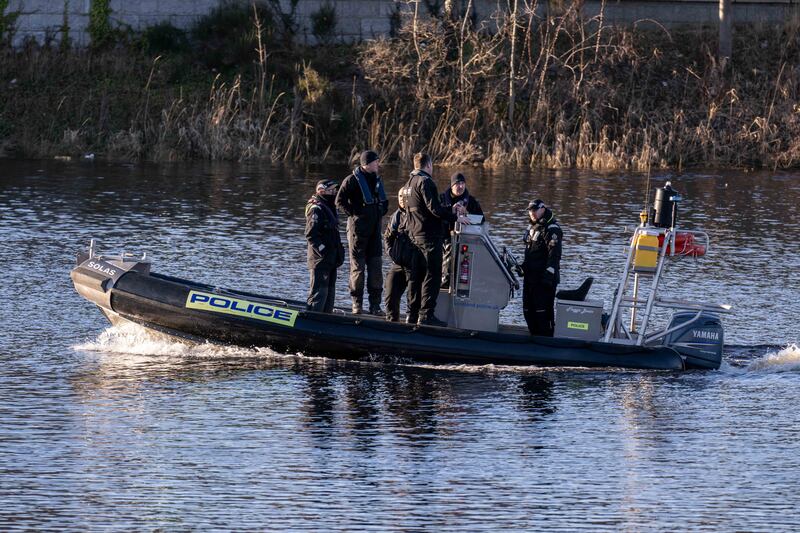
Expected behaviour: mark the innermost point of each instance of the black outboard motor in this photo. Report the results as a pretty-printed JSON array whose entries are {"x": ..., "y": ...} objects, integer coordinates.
[
  {"x": 665, "y": 207},
  {"x": 699, "y": 341}
]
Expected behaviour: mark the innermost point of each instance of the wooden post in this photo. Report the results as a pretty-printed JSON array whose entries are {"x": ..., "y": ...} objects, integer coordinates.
[{"x": 725, "y": 31}]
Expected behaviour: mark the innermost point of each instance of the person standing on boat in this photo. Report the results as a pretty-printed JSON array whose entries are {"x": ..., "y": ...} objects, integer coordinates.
[
  {"x": 363, "y": 199},
  {"x": 401, "y": 250},
  {"x": 541, "y": 269},
  {"x": 424, "y": 223},
  {"x": 325, "y": 251},
  {"x": 456, "y": 194}
]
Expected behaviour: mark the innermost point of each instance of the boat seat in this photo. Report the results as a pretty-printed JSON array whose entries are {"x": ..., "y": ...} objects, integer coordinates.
[{"x": 576, "y": 295}]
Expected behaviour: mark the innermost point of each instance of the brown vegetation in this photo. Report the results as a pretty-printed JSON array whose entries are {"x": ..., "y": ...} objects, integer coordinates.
[{"x": 553, "y": 92}]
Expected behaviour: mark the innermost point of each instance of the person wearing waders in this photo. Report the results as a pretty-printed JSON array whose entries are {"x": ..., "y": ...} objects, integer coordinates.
[
  {"x": 325, "y": 252},
  {"x": 363, "y": 199},
  {"x": 541, "y": 269}
]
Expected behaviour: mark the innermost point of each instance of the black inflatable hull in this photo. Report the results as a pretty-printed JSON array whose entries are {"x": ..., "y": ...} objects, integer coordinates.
[{"x": 193, "y": 310}]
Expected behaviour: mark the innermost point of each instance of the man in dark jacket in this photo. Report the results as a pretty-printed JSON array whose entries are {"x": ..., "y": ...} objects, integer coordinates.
[
  {"x": 424, "y": 225},
  {"x": 542, "y": 267},
  {"x": 456, "y": 194},
  {"x": 325, "y": 250},
  {"x": 363, "y": 199}
]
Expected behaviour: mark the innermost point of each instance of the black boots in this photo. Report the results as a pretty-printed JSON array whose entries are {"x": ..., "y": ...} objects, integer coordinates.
[{"x": 432, "y": 321}]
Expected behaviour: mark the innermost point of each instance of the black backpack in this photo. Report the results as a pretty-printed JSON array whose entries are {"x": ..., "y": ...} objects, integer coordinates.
[{"x": 401, "y": 249}]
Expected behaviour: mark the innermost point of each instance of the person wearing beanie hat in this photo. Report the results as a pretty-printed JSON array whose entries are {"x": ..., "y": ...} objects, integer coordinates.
[
  {"x": 325, "y": 253},
  {"x": 425, "y": 217},
  {"x": 541, "y": 268},
  {"x": 367, "y": 157},
  {"x": 363, "y": 199},
  {"x": 456, "y": 195}
]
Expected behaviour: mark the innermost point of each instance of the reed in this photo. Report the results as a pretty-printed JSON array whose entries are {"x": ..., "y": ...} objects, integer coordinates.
[{"x": 560, "y": 91}]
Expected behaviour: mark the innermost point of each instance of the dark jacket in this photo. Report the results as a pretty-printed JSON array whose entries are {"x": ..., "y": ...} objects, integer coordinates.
[
  {"x": 448, "y": 200},
  {"x": 398, "y": 243},
  {"x": 362, "y": 197},
  {"x": 543, "y": 249},
  {"x": 425, "y": 212},
  {"x": 397, "y": 224},
  {"x": 325, "y": 248}
]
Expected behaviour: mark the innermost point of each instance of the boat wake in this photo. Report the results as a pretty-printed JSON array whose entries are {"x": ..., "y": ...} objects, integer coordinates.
[
  {"x": 133, "y": 339},
  {"x": 784, "y": 360}
]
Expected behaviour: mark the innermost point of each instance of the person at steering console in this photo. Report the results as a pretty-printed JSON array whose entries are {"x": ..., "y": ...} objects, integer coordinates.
[
  {"x": 541, "y": 268},
  {"x": 325, "y": 252},
  {"x": 425, "y": 217},
  {"x": 457, "y": 194}
]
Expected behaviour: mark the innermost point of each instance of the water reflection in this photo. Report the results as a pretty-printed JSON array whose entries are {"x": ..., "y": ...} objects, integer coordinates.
[
  {"x": 536, "y": 396},
  {"x": 127, "y": 431}
]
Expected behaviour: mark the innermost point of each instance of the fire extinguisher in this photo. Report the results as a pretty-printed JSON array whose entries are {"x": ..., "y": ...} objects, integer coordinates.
[{"x": 463, "y": 271}]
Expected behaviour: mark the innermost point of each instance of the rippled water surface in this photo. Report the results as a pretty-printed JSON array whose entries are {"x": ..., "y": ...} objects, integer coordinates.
[{"x": 115, "y": 428}]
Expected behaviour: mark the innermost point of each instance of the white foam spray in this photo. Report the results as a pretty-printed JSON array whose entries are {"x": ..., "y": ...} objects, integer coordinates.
[
  {"x": 135, "y": 340},
  {"x": 785, "y": 360}
]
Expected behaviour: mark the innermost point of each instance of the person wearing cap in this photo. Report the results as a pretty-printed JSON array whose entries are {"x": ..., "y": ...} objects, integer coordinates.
[
  {"x": 403, "y": 254},
  {"x": 541, "y": 268},
  {"x": 424, "y": 225},
  {"x": 363, "y": 199},
  {"x": 325, "y": 252},
  {"x": 457, "y": 194}
]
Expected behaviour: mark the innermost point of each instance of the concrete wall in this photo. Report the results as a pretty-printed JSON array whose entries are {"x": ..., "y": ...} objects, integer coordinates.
[{"x": 364, "y": 19}]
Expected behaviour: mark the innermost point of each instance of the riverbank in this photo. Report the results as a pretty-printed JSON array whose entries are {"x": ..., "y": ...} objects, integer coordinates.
[{"x": 560, "y": 92}]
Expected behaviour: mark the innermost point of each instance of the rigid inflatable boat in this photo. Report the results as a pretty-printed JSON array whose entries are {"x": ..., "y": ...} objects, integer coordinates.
[{"x": 482, "y": 282}]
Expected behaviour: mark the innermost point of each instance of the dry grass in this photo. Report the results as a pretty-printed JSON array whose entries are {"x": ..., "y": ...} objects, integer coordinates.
[
  {"x": 589, "y": 96},
  {"x": 541, "y": 92}
]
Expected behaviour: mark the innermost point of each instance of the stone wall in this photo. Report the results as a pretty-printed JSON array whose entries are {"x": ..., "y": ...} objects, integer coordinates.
[{"x": 365, "y": 19}]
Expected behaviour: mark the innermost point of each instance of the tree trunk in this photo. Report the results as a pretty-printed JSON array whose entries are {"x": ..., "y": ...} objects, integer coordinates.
[{"x": 512, "y": 97}]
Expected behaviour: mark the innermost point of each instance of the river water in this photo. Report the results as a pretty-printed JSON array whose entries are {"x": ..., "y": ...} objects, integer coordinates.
[{"x": 111, "y": 428}]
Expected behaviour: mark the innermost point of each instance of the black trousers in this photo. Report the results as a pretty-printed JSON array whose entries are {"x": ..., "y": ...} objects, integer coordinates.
[
  {"x": 366, "y": 260},
  {"x": 426, "y": 278},
  {"x": 395, "y": 286},
  {"x": 538, "y": 301},
  {"x": 322, "y": 292}
]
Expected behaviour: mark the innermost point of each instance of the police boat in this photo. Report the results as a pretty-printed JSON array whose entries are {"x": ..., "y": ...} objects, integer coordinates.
[{"x": 483, "y": 279}]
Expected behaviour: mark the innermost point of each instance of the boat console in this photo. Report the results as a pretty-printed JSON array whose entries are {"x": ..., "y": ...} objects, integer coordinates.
[{"x": 481, "y": 279}]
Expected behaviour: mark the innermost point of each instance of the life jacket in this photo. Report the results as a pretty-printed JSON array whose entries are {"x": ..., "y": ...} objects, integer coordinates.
[
  {"x": 366, "y": 193},
  {"x": 543, "y": 246},
  {"x": 319, "y": 202}
]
